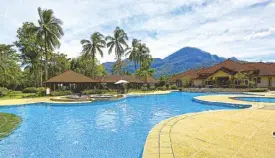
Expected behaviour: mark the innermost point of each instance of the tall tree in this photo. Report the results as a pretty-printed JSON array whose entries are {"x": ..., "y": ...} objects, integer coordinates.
[
  {"x": 30, "y": 48},
  {"x": 9, "y": 69},
  {"x": 134, "y": 53},
  {"x": 49, "y": 31},
  {"x": 92, "y": 47},
  {"x": 146, "y": 60},
  {"x": 118, "y": 44}
]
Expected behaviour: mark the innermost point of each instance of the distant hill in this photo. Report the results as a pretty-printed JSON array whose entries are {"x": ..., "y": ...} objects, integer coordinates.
[{"x": 182, "y": 60}]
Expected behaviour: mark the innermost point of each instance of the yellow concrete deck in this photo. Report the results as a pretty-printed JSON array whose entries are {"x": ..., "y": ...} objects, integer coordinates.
[{"x": 234, "y": 133}]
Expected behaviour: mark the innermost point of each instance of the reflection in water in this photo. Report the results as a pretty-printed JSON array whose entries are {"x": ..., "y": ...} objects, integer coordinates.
[
  {"x": 160, "y": 114},
  {"x": 106, "y": 119}
]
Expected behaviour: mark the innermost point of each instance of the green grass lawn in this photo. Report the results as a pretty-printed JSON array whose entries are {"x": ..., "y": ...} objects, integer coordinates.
[
  {"x": 17, "y": 95},
  {"x": 8, "y": 123}
]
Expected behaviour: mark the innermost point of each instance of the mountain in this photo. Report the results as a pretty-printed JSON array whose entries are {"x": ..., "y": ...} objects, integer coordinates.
[{"x": 180, "y": 61}]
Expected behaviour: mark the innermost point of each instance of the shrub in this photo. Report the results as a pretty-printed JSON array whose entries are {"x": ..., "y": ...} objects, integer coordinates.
[
  {"x": 259, "y": 90},
  {"x": 174, "y": 87},
  {"x": 41, "y": 91},
  {"x": 144, "y": 88},
  {"x": 167, "y": 86},
  {"x": 61, "y": 93},
  {"x": 163, "y": 88},
  {"x": 95, "y": 91},
  {"x": 29, "y": 90},
  {"x": 152, "y": 87},
  {"x": 3, "y": 91}
]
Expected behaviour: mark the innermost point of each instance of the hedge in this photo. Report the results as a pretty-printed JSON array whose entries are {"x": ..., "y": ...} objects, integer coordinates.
[
  {"x": 3, "y": 91},
  {"x": 30, "y": 90},
  {"x": 61, "y": 93}
]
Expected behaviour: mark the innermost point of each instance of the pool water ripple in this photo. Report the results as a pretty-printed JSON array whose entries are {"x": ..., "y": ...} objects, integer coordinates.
[{"x": 116, "y": 129}]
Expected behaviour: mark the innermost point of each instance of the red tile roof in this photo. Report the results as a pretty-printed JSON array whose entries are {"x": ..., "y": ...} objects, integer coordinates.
[
  {"x": 192, "y": 74},
  {"x": 228, "y": 64},
  {"x": 265, "y": 69}
]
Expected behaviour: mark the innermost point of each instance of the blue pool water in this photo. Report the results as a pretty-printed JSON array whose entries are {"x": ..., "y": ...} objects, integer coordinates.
[
  {"x": 257, "y": 99},
  {"x": 109, "y": 129}
]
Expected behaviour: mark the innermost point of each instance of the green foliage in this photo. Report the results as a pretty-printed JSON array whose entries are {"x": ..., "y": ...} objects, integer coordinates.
[
  {"x": 174, "y": 87},
  {"x": 144, "y": 88},
  {"x": 49, "y": 31},
  {"x": 96, "y": 91},
  {"x": 61, "y": 93},
  {"x": 92, "y": 47},
  {"x": 9, "y": 124},
  {"x": 118, "y": 44},
  {"x": 259, "y": 90},
  {"x": 41, "y": 91},
  {"x": 3, "y": 91},
  {"x": 29, "y": 90},
  {"x": 163, "y": 88},
  {"x": 185, "y": 81},
  {"x": 239, "y": 76},
  {"x": 84, "y": 65}
]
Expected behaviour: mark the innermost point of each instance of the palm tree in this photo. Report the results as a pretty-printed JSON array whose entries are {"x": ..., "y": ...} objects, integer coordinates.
[
  {"x": 134, "y": 54},
  {"x": 118, "y": 43},
  {"x": 145, "y": 57},
  {"x": 49, "y": 31},
  {"x": 90, "y": 48}
]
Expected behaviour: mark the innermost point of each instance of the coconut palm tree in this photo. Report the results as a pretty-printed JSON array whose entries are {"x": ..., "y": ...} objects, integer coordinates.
[
  {"x": 134, "y": 54},
  {"x": 118, "y": 44},
  {"x": 94, "y": 46},
  {"x": 145, "y": 57},
  {"x": 49, "y": 31}
]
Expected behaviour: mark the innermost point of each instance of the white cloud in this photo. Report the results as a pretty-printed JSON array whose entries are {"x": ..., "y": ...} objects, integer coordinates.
[
  {"x": 261, "y": 33},
  {"x": 242, "y": 28}
]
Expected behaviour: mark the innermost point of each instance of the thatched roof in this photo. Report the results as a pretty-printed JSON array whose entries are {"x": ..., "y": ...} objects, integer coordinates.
[{"x": 70, "y": 77}]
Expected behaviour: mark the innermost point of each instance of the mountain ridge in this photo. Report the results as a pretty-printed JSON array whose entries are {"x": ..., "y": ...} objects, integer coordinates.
[{"x": 182, "y": 60}]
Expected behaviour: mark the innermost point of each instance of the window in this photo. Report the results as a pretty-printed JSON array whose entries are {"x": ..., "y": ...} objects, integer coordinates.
[{"x": 237, "y": 82}]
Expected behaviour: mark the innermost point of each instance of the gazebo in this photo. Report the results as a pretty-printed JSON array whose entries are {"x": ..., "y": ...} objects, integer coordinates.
[{"x": 70, "y": 80}]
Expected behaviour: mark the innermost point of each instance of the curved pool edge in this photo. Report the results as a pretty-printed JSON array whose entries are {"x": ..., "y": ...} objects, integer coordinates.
[
  {"x": 228, "y": 100},
  {"x": 152, "y": 148},
  {"x": 215, "y": 103},
  {"x": 47, "y": 100},
  {"x": 159, "y": 142}
]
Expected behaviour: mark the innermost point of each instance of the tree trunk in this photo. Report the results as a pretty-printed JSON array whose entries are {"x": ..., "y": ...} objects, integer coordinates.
[
  {"x": 46, "y": 59},
  {"x": 93, "y": 66},
  {"x": 41, "y": 74}
]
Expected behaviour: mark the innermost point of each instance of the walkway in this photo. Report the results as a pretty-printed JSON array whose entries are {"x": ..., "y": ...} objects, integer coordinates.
[{"x": 234, "y": 133}]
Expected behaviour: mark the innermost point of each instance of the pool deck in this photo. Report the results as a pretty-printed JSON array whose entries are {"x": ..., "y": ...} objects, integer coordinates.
[{"x": 222, "y": 133}]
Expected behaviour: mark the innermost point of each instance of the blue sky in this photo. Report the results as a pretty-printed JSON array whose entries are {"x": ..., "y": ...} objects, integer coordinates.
[{"x": 241, "y": 28}]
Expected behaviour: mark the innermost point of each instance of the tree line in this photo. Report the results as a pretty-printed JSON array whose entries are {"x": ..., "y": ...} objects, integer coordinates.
[{"x": 32, "y": 59}]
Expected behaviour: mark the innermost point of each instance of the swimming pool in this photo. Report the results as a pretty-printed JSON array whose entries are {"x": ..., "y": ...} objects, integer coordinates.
[
  {"x": 257, "y": 99},
  {"x": 116, "y": 129}
]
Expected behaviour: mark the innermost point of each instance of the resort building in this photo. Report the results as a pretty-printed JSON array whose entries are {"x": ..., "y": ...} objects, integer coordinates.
[
  {"x": 230, "y": 74},
  {"x": 71, "y": 80}
]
